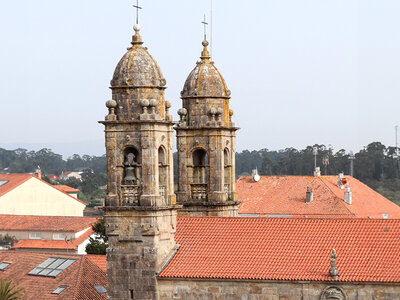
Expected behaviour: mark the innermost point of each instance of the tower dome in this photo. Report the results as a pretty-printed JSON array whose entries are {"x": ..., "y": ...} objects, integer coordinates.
[
  {"x": 137, "y": 68},
  {"x": 205, "y": 80}
]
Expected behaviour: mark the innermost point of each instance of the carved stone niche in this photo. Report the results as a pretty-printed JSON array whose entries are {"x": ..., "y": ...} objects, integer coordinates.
[{"x": 333, "y": 293}]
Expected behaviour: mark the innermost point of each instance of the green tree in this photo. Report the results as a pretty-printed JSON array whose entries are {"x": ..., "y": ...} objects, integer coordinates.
[
  {"x": 98, "y": 245},
  {"x": 8, "y": 291}
]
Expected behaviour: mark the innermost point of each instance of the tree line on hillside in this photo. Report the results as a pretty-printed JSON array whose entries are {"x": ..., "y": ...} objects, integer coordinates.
[
  {"x": 24, "y": 161},
  {"x": 374, "y": 162},
  {"x": 376, "y": 165}
]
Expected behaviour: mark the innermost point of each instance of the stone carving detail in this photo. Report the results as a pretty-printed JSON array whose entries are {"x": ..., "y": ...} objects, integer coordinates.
[
  {"x": 333, "y": 293},
  {"x": 333, "y": 271}
]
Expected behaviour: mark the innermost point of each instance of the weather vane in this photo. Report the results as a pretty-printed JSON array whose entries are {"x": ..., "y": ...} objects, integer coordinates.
[
  {"x": 137, "y": 11},
  {"x": 205, "y": 24}
]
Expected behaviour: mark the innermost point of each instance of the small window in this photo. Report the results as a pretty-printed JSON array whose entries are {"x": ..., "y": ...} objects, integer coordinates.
[
  {"x": 101, "y": 289},
  {"x": 58, "y": 236},
  {"x": 4, "y": 265},
  {"x": 59, "y": 290},
  {"x": 34, "y": 235},
  {"x": 52, "y": 266}
]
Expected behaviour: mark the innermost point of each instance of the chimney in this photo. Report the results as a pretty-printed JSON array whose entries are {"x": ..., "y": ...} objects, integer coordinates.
[
  {"x": 38, "y": 173},
  {"x": 309, "y": 195},
  {"x": 317, "y": 172},
  {"x": 340, "y": 181},
  {"x": 347, "y": 195},
  {"x": 255, "y": 176}
]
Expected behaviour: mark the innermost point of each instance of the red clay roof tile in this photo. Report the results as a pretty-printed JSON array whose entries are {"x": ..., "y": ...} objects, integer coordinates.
[
  {"x": 286, "y": 195},
  {"x": 45, "y": 223},
  {"x": 66, "y": 188},
  {"x": 99, "y": 260},
  {"x": 53, "y": 244},
  {"x": 286, "y": 249}
]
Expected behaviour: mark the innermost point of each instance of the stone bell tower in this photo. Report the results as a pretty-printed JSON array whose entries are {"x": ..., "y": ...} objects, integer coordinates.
[
  {"x": 206, "y": 144},
  {"x": 140, "y": 206}
]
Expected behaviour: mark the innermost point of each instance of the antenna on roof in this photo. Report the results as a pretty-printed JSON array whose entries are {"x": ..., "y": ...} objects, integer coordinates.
[
  {"x": 397, "y": 149},
  {"x": 351, "y": 158},
  {"x": 317, "y": 171}
]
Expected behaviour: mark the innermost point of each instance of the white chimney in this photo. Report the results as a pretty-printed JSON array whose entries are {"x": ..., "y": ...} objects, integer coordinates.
[
  {"x": 347, "y": 195},
  {"x": 255, "y": 176},
  {"x": 309, "y": 195},
  {"x": 317, "y": 172}
]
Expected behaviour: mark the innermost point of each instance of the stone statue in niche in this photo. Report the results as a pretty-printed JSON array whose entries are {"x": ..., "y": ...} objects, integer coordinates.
[
  {"x": 130, "y": 168},
  {"x": 333, "y": 293}
]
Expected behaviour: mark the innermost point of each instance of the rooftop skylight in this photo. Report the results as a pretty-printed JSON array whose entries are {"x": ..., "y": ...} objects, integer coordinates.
[
  {"x": 3, "y": 182},
  {"x": 59, "y": 290},
  {"x": 100, "y": 289},
  {"x": 4, "y": 265},
  {"x": 52, "y": 266}
]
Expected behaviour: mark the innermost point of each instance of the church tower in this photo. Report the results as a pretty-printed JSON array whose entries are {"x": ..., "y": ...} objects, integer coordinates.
[
  {"x": 140, "y": 206},
  {"x": 206, "y": 144}
]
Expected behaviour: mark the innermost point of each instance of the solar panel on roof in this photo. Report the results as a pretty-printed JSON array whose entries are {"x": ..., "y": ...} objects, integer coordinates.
[
  {"x": 59, "y": 290},
  {"x": 52, "y": 266},
  {"x": 4, "y": 265},
  {"x": 3, "y": 182}
]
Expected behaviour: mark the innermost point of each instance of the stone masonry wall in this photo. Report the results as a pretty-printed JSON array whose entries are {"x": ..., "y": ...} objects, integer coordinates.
[{"x": 253, "y": 290}]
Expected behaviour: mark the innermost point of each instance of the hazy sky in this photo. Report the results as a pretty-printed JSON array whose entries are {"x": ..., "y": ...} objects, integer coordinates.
[{"x": 300, "y": 72}]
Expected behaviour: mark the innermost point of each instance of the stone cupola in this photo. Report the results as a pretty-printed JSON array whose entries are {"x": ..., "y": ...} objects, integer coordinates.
[
  {"x": 137, "y": 77},
  {"x": 206, "y": 143},
  {"x": 205, "y": 90}
]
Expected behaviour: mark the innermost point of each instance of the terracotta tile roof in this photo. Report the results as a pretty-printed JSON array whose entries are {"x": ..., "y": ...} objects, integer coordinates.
[
  {"x": 286, "y": 195},
  {"x": 45, "y": 223},
  {"x": 65, "y": 173},
  {"x": 53, "y": 244},
  {"x": 80, "y": 277},
  {"x": 99, "y": 260},
  {"x": 66, "y": 188},
  {"x": 368, "y": 250},
  {"x": 15, "y": 180}
]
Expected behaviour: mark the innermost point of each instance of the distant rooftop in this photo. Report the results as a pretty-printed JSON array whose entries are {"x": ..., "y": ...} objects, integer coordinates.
[
  {"x": 45, "y": 223},
  {"x": 274, "y": 196}
]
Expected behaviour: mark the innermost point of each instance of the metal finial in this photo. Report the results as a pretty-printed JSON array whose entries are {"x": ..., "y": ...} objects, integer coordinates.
[
  {"x": 137, "y": 11},
  {"x": 333, "y": 271},
  {"x": 205, "y": 28}
]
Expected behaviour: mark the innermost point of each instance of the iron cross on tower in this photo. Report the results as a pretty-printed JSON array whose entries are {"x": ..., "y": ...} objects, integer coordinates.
[
  {"x": 137, "y": 11},
  {"x": 205, "y": 28}
]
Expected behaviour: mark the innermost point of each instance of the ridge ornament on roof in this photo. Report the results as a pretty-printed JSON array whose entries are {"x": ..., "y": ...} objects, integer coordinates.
[{"x": 333, "y": 271}]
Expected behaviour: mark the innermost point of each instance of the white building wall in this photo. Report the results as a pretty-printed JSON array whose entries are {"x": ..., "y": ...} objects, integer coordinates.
[{"x": 35, "y": 197}]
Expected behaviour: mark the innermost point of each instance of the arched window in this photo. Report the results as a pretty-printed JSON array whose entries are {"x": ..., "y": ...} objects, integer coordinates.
[
  {"x": 200, "y": 162},
  {"x": 162, "y": 174}
]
